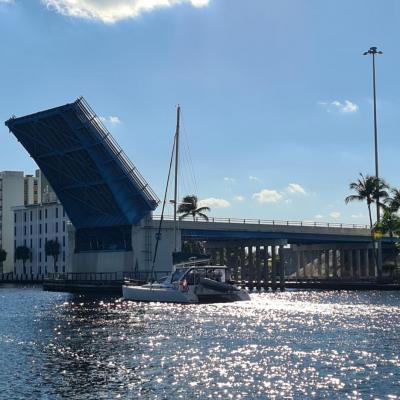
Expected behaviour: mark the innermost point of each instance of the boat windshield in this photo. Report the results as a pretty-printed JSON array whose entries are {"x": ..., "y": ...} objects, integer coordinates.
[
  {"x": 216, "y": 274},
  {"x": 178, "y": 274}
]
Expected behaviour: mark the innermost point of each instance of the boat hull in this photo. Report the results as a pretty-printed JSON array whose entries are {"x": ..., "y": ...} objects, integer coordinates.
[
  {"x": 150, "y": 293},
  {"x": 200, "y": 294}
]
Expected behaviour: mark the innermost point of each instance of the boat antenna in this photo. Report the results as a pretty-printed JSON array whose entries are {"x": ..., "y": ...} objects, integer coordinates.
[
  {"x": 163, "y": 208},
  {"x": 178, "y": 117}
]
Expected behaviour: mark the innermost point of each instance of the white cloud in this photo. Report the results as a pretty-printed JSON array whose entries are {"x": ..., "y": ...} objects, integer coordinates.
[
  {"x": 229, "y": 180},
  {"x": 267, "y": 196},
  {"x": 6, "y": 1},
  {"x": 111, "y": 120},
  {"x": 254, "y": 178},
  {"x": 319, "y": 216},
  {"x": 111, "y": 11},
  {"x": 357, "y": 216},
  {"x": 239, "y": 199},
  {"x": 346, "y": 107},
  {"x": 335, "y": 214},
  {"x": 295, "y": 188},
  {"x": 212, "y": 202}
]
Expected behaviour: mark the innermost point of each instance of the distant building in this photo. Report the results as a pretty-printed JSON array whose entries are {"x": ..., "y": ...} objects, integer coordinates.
[
  {"x": 18, "y": 190},
  {"x": 11, "y": 194},
  {"x": 35, "y": 224}
]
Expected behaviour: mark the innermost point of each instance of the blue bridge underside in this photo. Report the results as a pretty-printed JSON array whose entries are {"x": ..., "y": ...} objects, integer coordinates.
[{"x": 94, "y": 180}]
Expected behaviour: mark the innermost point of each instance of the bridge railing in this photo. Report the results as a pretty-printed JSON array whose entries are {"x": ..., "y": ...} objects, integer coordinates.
[{"x": 268, "y": 222}]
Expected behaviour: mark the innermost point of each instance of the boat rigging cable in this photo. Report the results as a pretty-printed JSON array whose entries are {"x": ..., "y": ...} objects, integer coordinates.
[{"x": 163, "y": 208}]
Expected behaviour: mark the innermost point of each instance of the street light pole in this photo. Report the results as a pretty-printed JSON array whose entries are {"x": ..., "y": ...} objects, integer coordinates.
[{"x": 373, "y": 51}]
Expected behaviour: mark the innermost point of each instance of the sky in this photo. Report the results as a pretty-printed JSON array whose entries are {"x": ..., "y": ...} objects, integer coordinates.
[{"x": 276, "y": 96}]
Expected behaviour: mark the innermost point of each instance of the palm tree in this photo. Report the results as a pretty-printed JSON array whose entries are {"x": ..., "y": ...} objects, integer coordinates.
[
  {"x": 3, "y": 257},
  {"x": 367, "y": 188},
  {"x": 389, "y": 224},
  {"x": 393, "y": 202},
  {"x": 22, "y": 253},
  {"x": 52, "y": 248},
  {"x": 189, "y": 206}
]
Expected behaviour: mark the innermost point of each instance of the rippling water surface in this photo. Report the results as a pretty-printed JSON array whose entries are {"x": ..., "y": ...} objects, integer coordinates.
[{"x": 342, "y": 345}]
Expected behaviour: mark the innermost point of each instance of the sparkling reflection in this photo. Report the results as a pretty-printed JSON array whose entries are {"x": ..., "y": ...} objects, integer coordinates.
[{"x": 342, "y": 345}]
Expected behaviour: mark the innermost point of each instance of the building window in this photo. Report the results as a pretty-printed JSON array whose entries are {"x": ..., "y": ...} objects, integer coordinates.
[
  {"x": 24, "y": 242},
  {"x": 40, "y": 229},
  {"x": 40, "y": 215},
  {"x": 45, "y": 227},
  {"x": 25, "y": 230},
  {"x": 24, "y": 216},
  {"x": 56, "y": 212},
  {"x": 40, "y": 270},
  {"x": 40, "y": 257},
  {"x": 64, "y": 241},
  {"x": 63, "y": 256},
  {"x": 31, "y": 229},
  {"x": 15, "y": 231},
  {"x": 63, "y": 212},
  {"x": 63, "y": 226},
  {"x": 15, "y": 218},
  {"x": 56, "y": 227},
  {"x": 40, "y": 243},
  {"x": 45, "y": 213},
  {"x": 31, "y": 245},
  {"x": 30, "y": 215}
]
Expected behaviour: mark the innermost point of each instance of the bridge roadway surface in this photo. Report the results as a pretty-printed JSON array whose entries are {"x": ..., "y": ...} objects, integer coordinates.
[{"x": 288, "y": 232}]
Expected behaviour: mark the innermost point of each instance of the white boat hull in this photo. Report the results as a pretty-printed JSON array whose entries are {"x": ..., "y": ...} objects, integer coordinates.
[
  {"x": 198, "y": 294},
  {"x": 157, "y": 293}
]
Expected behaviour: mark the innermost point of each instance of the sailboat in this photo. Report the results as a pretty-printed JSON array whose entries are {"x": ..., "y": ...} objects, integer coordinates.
[{"x": 193, "y": 281}]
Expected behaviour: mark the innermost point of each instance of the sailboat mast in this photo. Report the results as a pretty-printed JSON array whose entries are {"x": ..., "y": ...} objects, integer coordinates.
[{"x": 178, "y": 116}]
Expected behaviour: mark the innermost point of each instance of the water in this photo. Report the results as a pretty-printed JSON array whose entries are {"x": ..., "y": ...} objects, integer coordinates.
[{"x": 292, "y": 345}]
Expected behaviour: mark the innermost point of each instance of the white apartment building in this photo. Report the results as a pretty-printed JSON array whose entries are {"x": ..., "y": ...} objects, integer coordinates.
[
  {"x": 15, "y": 190},
  {"x": 11, "y": 194},
  {"x": 34, "y": 225}
]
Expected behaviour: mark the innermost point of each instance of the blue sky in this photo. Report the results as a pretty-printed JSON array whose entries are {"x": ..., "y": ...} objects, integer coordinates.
[{"x": 275, "y": 95}]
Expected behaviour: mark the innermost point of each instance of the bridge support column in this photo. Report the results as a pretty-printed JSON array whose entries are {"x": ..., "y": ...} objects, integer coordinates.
[
  {"x": 237, "y": 264},
  {"x": 327, "y": 261},
  {"x": 250, "y": 270},
  {"x": 281, "y": 268},
  {"x": 351, "y": 264},
  {"x": 266, "y": 273},
  {"x": 320, "y": 263},
  {"x": 273, "y": 277},
  {"x": 303, "y": 262},
  {"x": 366, "y": 262},
  {"x": 358, "y": 264},
  {"x": 243, "y": 263},
  {"x": 334, "y": 263},
  {"x": 258, "y": 268},
  {"x": 298, "y": 264}
]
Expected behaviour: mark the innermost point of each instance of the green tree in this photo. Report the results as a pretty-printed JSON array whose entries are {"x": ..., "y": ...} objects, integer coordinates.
[
  {"x": 389, "y": 224},
  {"x": 3, "y": 255},
  {"x": 367, "y": 187},
  {"x": 23, "y": 253},
  {"x": 393, "y": 202},
  {"x": 52, "y": 249},
  {"x": 189, "y": 206}
]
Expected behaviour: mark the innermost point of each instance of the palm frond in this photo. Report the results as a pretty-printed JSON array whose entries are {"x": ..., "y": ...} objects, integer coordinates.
[{"x": 203, "y": 215}]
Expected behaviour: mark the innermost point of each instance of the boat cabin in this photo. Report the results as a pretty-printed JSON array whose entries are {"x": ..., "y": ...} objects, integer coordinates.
[{"x": 193, "y": 274}]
